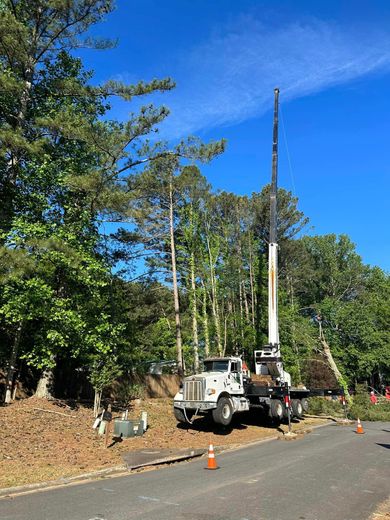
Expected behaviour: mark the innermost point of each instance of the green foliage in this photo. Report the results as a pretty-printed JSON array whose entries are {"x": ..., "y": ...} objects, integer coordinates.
[
  {"x": 136, "y": 391},
  {"x": 61, "y": 170},
  {"x": 363, "y": 409},
  {"x": 126, "y": 392},
  {"x": 103, "y": 372},
  {"x": 323, "y": 406},
  {"x": 65, "y": 168}
]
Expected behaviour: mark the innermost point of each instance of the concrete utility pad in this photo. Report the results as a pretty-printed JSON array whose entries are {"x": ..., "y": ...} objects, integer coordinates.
[{"x": 151, "y": 457}]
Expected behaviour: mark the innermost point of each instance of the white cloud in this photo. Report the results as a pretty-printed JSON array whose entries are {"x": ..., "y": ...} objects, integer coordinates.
[{"x": 230, "y": 77}]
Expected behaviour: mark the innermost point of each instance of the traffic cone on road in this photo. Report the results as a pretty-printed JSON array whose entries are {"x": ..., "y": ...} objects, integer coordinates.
[
  {"x": 211, "y": 462},
  {"x": 359, "y": 428}
]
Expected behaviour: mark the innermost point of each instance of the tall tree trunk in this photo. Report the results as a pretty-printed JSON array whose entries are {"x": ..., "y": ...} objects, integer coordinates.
[
  {"x": 261, "y": 331},
  {"x": 241, "y": 312},
  {"x": 225, "y": 335},
  {"x": 24, "y": 100},
  {"x": 246, "y": 305},
  {"x": 179, "y": 350},
  {"x": 12, "y": 362},
  {"x": 332, "y": 364},
  {"x": 205, "y": 322},
  {"x": 214, "y": 300},
  {"x": 294, "y": 343},
  {"x": 252, "y": 285},
  {"x": 242, "y": 282},
  {"x": 194, "y": 314},
  {"x": 235, "y": 326},
  {"x": 8, "y": 192},
  {"x": 9, "y": 188}
]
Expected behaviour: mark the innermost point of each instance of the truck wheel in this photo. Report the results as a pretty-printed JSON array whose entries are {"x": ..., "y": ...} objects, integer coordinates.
[
  {"x": 305, "y": 404},
  {"x": 276, "y": 409},
  {"x": 297, "y": 408},
  {"x": 224, "y": 412},
  {"x": 179, "y": 414}
]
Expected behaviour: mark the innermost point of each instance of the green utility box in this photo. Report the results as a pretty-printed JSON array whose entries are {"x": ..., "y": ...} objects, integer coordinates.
[{"x": 128, "y": 428}]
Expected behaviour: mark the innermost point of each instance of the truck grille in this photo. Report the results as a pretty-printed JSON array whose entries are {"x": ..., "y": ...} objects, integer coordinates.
[{"x": 193, "y": 391}]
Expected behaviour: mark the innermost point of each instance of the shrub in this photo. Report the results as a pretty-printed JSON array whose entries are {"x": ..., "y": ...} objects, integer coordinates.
[
  {"x": 322, "y": 406},
  {"x": 136, "y": 391},
  {"x": 363, "y": 409},
  {"x": 126, "y": 392}
]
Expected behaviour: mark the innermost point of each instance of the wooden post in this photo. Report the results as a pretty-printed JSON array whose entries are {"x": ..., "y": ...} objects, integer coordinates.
[{"x": 107, "y": 418}]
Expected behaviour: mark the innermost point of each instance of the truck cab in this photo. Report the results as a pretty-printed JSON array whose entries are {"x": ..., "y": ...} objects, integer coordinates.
[
  {"x": 231, "y": 368},
  {"x": 218, "y": 389}
]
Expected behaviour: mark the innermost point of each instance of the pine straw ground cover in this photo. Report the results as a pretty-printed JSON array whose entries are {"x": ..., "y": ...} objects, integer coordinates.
[{"x": 37, "y": 446}]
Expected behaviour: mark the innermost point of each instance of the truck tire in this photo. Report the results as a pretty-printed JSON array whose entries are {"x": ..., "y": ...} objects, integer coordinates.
[
  {"x": 179, "y": 414},
  {"x": 305, "y": 404},
  {"x": 224, "y": 412},
  {"x": 276, "y": 409},
  {"x": 297, "y": 408}
]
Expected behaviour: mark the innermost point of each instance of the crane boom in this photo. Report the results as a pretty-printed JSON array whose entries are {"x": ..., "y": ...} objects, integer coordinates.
[
  {"x": 273, "y": 328},
  {"x": 269, "y": 360}
]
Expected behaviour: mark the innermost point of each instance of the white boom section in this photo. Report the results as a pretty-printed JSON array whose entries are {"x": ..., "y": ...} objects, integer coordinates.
[
  {"x": 268, "y": 360},
  {"x": 274, "y": 365},
  {"x": 273, "y": 328}
]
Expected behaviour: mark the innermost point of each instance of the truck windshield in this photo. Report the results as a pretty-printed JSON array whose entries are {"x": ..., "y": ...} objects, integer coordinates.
[{"x": 216, "y": 366}]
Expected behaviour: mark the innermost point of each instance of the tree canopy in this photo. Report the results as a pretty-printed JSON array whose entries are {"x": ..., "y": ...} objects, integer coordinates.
[{"x": 181, "y": 273}]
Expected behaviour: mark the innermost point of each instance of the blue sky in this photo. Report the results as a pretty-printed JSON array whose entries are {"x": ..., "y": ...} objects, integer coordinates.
[{"x": 331, "y": 61}]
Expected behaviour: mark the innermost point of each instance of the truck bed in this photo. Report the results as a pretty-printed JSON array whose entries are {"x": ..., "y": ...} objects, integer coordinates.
[{"x": 258, "y": 389}]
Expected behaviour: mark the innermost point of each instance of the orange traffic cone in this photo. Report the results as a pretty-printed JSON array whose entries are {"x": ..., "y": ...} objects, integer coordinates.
[
  {"x": 211, "y": 462},
  {"x": 359, "y": 428}
]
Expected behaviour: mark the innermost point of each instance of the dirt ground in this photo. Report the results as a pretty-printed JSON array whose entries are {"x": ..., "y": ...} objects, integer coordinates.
[
  {"x": 382, "y": 512},
  {"x": 37, "y": 445}
]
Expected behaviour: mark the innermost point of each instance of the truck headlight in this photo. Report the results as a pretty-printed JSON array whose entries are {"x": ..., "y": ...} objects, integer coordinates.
[{"x": 210, "y": 391}]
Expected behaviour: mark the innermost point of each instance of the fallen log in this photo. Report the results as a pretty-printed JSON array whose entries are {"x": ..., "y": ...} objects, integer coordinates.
[{"x": 57, "y": 413}]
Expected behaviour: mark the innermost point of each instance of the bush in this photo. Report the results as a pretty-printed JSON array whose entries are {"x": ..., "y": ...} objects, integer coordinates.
[
  {"x": 136, "y": 391},
  {"x": 363, "y": 409},
  {"x": 378, "y": 412},
  {"x": 322, "y": 406},
  {"x": 126, "y": 392}
]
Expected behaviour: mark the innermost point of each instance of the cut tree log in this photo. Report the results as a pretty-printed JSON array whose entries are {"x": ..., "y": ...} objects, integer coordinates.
[
  {"x": 57, "y": 413},
  {"x": 331, "y": 362}
]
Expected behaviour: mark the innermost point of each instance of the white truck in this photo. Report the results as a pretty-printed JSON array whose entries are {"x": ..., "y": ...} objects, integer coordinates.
[{"x": 224, "y": 388}]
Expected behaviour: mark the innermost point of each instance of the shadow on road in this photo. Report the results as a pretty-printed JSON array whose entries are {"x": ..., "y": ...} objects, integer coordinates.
[
  {"x": 204, "y": 424},
  {"x": 241, "y": 422},
  {"x": 383, "y": 445}
]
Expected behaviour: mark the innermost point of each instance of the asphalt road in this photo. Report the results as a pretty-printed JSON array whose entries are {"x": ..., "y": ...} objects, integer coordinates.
[{"x": 330, "y": 474}]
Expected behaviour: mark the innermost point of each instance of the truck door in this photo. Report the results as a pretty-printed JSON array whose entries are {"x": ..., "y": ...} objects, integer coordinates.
[{"x": 235, "y": 383}]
